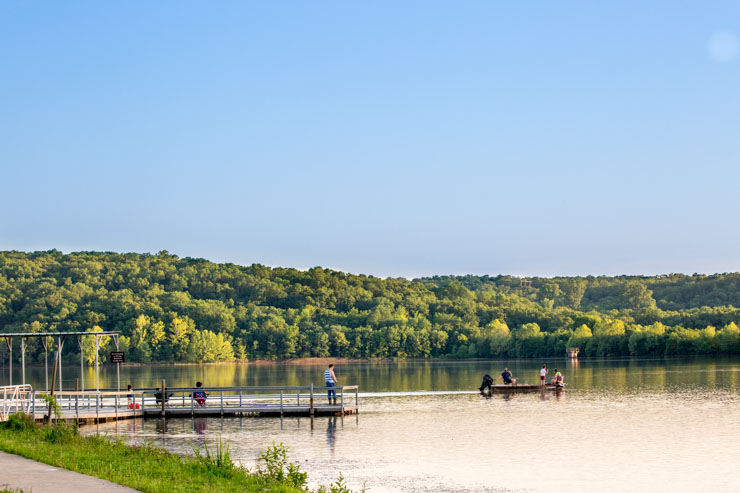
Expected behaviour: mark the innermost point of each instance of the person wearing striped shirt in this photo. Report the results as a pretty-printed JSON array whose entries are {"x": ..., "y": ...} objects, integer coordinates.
[{"x": 331, "y": 381}]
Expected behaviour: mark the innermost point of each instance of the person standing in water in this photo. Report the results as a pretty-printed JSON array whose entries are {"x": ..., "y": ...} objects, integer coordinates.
[{"x": 331, "y": 381}]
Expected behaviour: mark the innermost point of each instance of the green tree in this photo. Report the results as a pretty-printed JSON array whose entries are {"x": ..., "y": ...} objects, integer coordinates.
[
  {"x": 637, "y": 296},
  {"x": 573, "y": 291}
]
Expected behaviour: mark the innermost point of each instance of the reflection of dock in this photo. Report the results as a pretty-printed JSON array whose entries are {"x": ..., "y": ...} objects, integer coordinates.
[
  {"x": 264, "y": 411},
  {"x": 102, "y": 406}
]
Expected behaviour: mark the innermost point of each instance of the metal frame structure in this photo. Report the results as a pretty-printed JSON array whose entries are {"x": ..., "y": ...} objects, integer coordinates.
[{"x": 60, "y": 336}]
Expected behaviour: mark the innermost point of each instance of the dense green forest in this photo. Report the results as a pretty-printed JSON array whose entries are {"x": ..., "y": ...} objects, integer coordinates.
[{"x": 173, "y": 309}]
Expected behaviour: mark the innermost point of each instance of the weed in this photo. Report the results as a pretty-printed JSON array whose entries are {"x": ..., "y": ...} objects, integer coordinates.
[
  {"x": 278, "y": 469},
  {"x": 219, "y": 460},
  {"x": 19, "y": 422},
  {"x": 339, "y": 486},
  {"x": 51, "y": 401},
  {"x": 59, "y": 433}
]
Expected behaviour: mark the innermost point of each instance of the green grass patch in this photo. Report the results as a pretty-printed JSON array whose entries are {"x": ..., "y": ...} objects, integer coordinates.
[{"x": 143, "y": 468}]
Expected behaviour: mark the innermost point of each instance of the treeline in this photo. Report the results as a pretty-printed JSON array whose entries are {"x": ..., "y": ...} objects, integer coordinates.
[{"x": 172, "y": 309}]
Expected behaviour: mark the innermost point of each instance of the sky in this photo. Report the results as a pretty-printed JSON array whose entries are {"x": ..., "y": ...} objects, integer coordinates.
[{"x": 397, "y": 139}]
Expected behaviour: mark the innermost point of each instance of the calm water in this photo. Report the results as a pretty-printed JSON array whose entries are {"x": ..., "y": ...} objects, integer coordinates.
[{"x": 629, "y": 425}]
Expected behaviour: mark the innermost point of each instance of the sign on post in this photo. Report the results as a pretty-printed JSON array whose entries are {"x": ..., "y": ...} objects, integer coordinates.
[{"x": 117, "y": 357}]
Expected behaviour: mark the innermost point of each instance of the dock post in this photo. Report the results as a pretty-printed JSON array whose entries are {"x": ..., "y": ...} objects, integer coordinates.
[
  {"x": 23, "y": 360},
  {"x": 310, "y": 410},
  {"x": 77, "y": 401},
  {"x": 357, "y": 398},
  {"x": 341, "y": 401},
  {"x": 222, "y": 403},
  {"x": 33, "y": 404},
  {"x": 163, "y": 390},
  {"x": 298, "y": 396},
  {"x": 281, "y": 403},
  {"x": 192, "y": 405}
]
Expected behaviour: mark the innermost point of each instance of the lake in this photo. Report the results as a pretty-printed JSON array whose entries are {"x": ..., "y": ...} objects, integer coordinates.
[{"x": 621, "y": 425}]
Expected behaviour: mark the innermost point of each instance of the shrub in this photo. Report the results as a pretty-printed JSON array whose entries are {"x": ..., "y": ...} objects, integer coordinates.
[
  {"x": 59, "y": 433},
  {"x": 19, "y": 422},
  {"x": 278, "y": 469}
]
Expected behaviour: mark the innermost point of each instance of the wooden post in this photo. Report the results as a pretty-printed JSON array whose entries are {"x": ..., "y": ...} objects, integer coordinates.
[
  {"x": 51, "y": 389},
  {"x": 163, "y": 391},
  {"x": 77, "y": 401},
  {"x": 310, "y": 409},
  {"x": 9, "y": 342},
  {"x": 23, "y": 360}
]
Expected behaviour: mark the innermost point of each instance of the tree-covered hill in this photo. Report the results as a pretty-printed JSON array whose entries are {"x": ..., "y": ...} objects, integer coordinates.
[{"x": 172, "y": 309}]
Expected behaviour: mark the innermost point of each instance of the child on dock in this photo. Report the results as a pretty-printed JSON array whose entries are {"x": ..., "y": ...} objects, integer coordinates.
[{"x": 200, "y": 395}]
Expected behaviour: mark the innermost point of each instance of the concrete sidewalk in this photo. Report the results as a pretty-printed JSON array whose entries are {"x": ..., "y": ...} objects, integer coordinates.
[{"x": 30, "y": 476}]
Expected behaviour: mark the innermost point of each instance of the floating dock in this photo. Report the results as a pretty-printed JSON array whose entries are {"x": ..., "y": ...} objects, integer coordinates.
[{"x": 523, "y": 388}]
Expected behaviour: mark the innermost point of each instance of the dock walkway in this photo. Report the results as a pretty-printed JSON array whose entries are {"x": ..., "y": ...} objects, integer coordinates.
[{"x": 86, "y": 407}]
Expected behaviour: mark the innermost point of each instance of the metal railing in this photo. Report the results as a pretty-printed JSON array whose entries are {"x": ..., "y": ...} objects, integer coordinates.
[
  {"x": 16, "y": 399},
  {"x": 187, "y": 401}
]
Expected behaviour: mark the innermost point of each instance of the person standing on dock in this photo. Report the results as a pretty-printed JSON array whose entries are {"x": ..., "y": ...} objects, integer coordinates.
[
  {"x": 543, "y": 374},
  {"x": 331, "y": 381}
]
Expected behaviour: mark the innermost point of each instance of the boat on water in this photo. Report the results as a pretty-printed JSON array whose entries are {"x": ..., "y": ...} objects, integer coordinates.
[{"x": 523, "y": 388}]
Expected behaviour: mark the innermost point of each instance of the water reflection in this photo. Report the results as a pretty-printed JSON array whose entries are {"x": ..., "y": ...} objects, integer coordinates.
[
  {"x": 628, "y": 425},
  {"x": 331, "y": 435},
  {"x": 401, "y": 376}
]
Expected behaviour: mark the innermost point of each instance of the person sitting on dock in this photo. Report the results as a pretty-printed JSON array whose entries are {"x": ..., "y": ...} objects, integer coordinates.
[
  {"x": 557, "y": 379},
  {"x": 200, "y": 395},
  {"x": 506, "y": 375},
  {"x": 331, "y": 381}
]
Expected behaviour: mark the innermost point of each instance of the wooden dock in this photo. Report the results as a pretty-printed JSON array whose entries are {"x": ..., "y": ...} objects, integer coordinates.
[
  {"x": 85, "y": 407},
  {"x": 523, "y": 388}
]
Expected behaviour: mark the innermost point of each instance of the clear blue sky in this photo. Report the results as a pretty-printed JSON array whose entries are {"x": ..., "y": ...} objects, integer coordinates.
[{"x": 386, "y": 138}]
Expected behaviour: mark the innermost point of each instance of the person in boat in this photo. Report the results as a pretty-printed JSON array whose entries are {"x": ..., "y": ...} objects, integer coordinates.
[
  {"x": 487, "y": 383},
  {"x": 506, "y": 376},
  {"x": 557, "y": 379},
  {"x": 543, "y": 374}
]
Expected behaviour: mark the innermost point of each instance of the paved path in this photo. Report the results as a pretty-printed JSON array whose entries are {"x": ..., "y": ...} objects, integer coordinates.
[{"x": 34, "y": 477}]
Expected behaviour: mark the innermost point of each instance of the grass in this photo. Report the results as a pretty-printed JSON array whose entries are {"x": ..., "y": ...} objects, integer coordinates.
[{"x": 143, "y": 468}]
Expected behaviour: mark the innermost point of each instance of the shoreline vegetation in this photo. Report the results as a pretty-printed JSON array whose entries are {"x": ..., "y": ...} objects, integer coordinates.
[
  {"x": 171, "y": 309},
  {"x": 151, "y": 469}
]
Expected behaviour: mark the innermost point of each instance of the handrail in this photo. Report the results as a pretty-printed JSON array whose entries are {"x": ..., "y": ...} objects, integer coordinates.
[
  {"x": 16, "y": 399},
  {"x": 79, "y": 404}
]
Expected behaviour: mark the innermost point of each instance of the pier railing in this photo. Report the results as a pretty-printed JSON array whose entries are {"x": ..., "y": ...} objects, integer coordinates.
[
  {"x": 182, "y": 401},
  {"x": 15, "y": 399}
]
